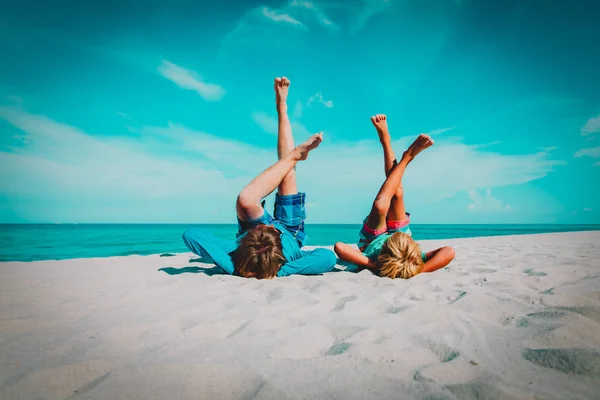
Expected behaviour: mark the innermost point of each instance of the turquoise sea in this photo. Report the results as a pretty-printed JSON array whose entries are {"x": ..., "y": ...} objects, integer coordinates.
[{"x": 29, "y": 242}]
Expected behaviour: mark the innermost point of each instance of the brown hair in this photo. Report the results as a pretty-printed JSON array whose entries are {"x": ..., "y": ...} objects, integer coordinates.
[
  {"x": 400, "y": 257},
  {"x": 260, "y": 254}
]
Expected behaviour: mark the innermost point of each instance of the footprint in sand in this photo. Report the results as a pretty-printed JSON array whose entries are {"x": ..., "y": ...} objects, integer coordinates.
[
  {"x": 531, "y": 272},
  {"x": 569, "y": 361},
  {"x": 460, "y": 296},
  {"x": 338, "y": 349},
  {"x": 443, "y": 352},
  {"x": 309, "y": 342},
  {"x": 396, "y": 310},
  {"x": 238, "y": 330},
  {"x": 274, "y": 295},
  {"x": 588, "y": 312},
  {"x": 342, "y": 303},
  {"x": 544, "y": 321}
]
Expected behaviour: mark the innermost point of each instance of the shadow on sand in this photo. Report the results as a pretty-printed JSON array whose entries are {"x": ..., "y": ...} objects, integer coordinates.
[{"x": 193, "y": 270}]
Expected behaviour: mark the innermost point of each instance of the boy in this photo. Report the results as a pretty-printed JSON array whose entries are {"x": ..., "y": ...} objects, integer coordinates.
[{"x": 269, "y": 246}]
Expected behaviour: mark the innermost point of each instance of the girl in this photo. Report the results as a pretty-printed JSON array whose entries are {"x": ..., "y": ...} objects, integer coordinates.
[{"x": 385, "y": 242}]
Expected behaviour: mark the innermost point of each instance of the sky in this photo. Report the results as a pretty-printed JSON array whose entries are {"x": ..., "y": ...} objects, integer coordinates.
[{"x": 160, "y": 112}]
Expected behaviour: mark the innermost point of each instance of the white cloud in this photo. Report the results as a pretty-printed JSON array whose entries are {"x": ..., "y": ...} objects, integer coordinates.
[
  {"x": 190, "y": 80},
  {"x": 298, "y": 110},
  {"x": 266, "y": 122},
  {"x": 597, "y": 164},
  {"x": 593, "y": 152},
  {"x": 439, "y": 131},
  {"x": 319, "y": 98},
  {"x": 367, "y": 10},
  {"x": 95, "y": 178},
  {"x": 485, "y": 202},
  {"x": 587, "y": 209},
  {"x": 548, "y": 149},
  {"x": 315, "y": 11},
  {"x": 278, "y": 16},
  {"x": 269, "y": 124},
  {"x": 132, "y": 125},
  {"x": 591, "y": 126},
  {"x": 175, "y": 174},
  {"x": 268, "y": 26}
]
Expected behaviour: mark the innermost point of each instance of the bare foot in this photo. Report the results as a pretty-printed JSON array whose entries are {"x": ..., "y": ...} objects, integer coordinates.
[
  {"x": 380, "y": 123},
  {"x": 281, "y": 90},
  {"x": 301, "y": 151},
  {"x": 421, "y": 143}
]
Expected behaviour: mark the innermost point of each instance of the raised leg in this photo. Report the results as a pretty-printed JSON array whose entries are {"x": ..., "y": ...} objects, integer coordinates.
[
  {"x": 285, "y": 139},
  {"x": 397, "y": 211},
  {"x": 382, "y": 204},
  {"x": 248, "y": 202}
]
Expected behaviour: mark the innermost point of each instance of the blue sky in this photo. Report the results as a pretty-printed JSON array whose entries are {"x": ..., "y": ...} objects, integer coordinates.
[{"x": 162, "y": 111}]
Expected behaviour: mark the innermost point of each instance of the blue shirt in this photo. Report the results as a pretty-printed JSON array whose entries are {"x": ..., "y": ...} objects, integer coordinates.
[{"x": 219, "y": 251}]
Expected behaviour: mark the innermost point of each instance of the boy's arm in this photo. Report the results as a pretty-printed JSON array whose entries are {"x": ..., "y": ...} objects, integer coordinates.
[
  {"x": 437, "y": 259},
  {"x": 314, "y": 262},
  {"x": 213, "y": 249},
  {"x": 354, "y": 256}
]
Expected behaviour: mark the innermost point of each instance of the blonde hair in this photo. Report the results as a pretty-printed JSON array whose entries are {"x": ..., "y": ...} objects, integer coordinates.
[{"x": 400, "y": 257}]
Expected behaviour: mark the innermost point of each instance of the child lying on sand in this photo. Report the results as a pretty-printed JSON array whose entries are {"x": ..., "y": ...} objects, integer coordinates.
[
  {"x": 385, "y": 242},
  {"x": 269, "y": 246}
]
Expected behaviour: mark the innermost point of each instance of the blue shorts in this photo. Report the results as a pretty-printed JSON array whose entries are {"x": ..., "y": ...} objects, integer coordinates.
[{"x": 289, "y": 212}]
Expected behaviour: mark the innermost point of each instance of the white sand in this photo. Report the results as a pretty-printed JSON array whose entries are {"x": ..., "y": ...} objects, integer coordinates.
[{"x": 514, "y": 317}]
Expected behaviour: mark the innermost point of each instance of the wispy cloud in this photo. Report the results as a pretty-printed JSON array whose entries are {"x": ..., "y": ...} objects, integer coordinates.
[
  {"x": 367, "y": 10},
  {"x": 591, "y": 126},
  {"x": 439, "y": 131},
  {"x": 175, "y": 174},
  {"x": 485, "y": 202},
  {"x": 278, "y": 16},
  {"x": 313, "y": 10},
  {"x": 270, "y": 26},
  {"x": 318, "y": 97},
  {"x": 190, "y": 80},
  {"x": 118, "y": 178},
  {"x": 269, "y": 124},
  {"x": 593, "y": 152},
  {"x": 266, "y": 122},
  {"x": 587, "y": 209},
  {"x": 132, "y": 125},
  {"x": 298, "y": 109},
  {"x": 548, "y": 149}
]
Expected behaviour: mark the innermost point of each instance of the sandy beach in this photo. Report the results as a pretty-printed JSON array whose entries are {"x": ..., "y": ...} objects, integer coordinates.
[{"x": 514, "y": 317}]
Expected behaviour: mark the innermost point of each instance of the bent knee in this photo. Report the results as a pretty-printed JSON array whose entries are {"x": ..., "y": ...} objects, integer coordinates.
[
  {"x": 381, "y": 205},
  {"x": 450, "y": 251},
  {"x": 338, "y": 247}
]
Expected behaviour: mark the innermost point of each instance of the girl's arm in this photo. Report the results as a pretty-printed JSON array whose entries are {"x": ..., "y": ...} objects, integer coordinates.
[
  {"x": 437, "y": 259},
  {"x": 354, "y": 256}
]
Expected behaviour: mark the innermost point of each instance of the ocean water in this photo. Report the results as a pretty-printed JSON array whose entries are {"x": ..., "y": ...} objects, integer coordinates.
[{"x": 63, "y": 241}]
